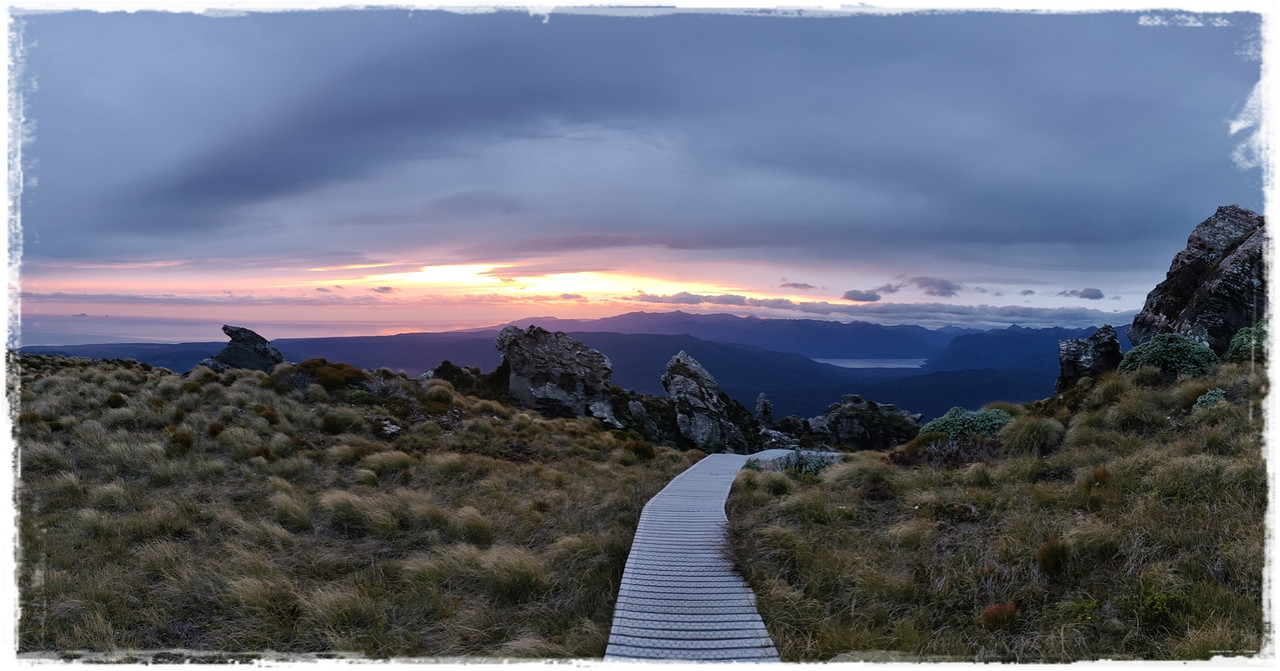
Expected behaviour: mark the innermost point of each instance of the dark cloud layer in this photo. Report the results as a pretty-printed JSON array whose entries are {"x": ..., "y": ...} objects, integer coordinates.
[
  {"x": 1085, "y": 130},
  {"x": 941, "y": 154}
]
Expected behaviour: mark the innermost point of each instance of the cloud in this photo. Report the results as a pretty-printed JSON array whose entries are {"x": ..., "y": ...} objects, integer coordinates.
[
  {"x": 324, "y": 290},
  {"x": 529, "y": 147},
  {"x": 932, "y": 315},
  {"x": 1088, "y": 293},
  {"x": 936, "y": 286},
  {"x": 1027, "y": 292},
  {"x": 861, "y": 296},
  {"x": 544, "y": 269},
  {"x": 384, "y": 290},
  {"x": 572, "y": 297}
]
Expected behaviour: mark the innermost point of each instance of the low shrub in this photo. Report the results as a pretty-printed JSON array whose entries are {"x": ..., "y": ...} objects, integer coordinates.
[
  {"x": 802, "y": 464},
  {"x": 1032, "y": 435},
  {"x": 1248, "y": 344},
  {"x": 1209, "y": 398},
  {"x": 1052, "y": 556},
  {"x": 962, "y": 424},
  {"x": 331, "y": 376},
  {"x": 1173, "y": 354},
  {"x": 339, "y": 421},
  {"x": 997, "y": 616}
]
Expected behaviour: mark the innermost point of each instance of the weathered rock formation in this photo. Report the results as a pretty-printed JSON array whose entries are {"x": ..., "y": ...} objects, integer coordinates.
[
  {"x": 246, "y": 350},
  {"x": 864, "y": 425},
  {"x": 764, "y": 410},
  {"x": 704, "y": 414},
  {"x": 1087, "y": 357},
  {"x": 556, "y": 375},
  {"x": 650, "y": 416},
  {"x": 1215, "y": 287}
]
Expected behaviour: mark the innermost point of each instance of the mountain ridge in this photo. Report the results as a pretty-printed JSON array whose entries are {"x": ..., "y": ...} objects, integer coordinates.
[{"x": 792, "y": 381}]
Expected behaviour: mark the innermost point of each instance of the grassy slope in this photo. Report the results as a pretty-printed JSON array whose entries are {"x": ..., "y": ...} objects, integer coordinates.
[
  {"x": 1140, "y": 535},
  {"x": 216, "y": 513}
]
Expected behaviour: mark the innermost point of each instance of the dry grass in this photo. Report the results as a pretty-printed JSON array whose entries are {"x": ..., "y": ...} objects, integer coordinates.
[
  {"x": 1129, "y": 526},
  {"x": 216, "y": 512}
]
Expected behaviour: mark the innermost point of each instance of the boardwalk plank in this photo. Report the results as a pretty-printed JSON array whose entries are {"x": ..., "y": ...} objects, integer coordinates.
[{"x": 680, "y": 598}]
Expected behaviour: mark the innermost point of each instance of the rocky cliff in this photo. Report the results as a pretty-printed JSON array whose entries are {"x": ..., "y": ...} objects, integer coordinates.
[{"x": 1214, "y": 287}]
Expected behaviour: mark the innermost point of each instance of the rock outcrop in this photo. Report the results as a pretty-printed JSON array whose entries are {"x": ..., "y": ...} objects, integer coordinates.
[
  {"x": 764, "y": 410},
  {"x": 556, "y": 375},
  {"x": 1215, "y": 287},
  {"x": 705, "y": 415},
  {"x": 246, "y": 350},
  {"x": 864, "y": 425},
  {"x": 1087, "y": 357}
]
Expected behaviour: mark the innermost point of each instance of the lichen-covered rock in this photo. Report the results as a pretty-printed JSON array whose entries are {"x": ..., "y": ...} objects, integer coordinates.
[
  {"x": 556, "y": 375},
  {"x": 246, "y": 350},
  {"x": 704, "y": 414},
  {"x": 1214, "y": 287},
  {"x": 864, "y": 425},
  {"x": 1087, "y": 357}
]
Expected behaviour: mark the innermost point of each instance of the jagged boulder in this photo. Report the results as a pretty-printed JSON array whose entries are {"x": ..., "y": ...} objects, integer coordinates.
[
  {"x": 864, "y": 425},
  {"x": 704, "y": 414},
  {"x": 1087, "y": 357},
  {"x": 246, "y": 350},
  {"x": 1214, "y": 287},
  {"x": 556, "y": 375}
]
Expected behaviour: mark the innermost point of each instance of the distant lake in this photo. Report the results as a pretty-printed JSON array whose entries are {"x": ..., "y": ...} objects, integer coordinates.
[{"x": 874, "y": 363}]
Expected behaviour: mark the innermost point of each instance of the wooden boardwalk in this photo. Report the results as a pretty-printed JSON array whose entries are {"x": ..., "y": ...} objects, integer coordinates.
[{"x": 680, "y": 597}]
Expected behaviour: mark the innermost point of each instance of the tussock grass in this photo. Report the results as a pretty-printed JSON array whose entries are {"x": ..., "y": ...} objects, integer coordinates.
[
  {"x": 1127, "y": 525},
  {"x": 219, "y": 512}
]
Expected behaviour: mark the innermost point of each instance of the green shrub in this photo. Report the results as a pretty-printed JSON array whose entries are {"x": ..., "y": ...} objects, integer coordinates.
[
  {"x": 1210, "y": 398},
  {"x": 962, "y": 424},
  {"x": 800, "y": 463},
  {"x": 1248, "y": 344},
  {"x": 115, "y": 400},
  {"x": 1173, "y": 354}
]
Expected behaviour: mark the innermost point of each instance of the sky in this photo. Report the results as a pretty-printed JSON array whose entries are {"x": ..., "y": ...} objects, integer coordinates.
[{"x": 311, "y": 173}]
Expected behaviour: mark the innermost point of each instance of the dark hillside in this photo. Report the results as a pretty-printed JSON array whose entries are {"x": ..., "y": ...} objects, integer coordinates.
[
  {"x": 1007, "y": 349},
  {"x": 931, "y": 394}
]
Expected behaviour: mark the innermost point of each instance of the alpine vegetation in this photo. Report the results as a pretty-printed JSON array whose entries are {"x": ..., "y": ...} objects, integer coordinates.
[
  {"x": 1123, "y": 519},
  {"x": 315, "y": 509}
]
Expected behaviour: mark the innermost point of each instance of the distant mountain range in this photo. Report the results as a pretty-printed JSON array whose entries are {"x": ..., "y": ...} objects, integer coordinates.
[
  {"x": 747, "y": 356},
  {"x": 811, "y": 337}
]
